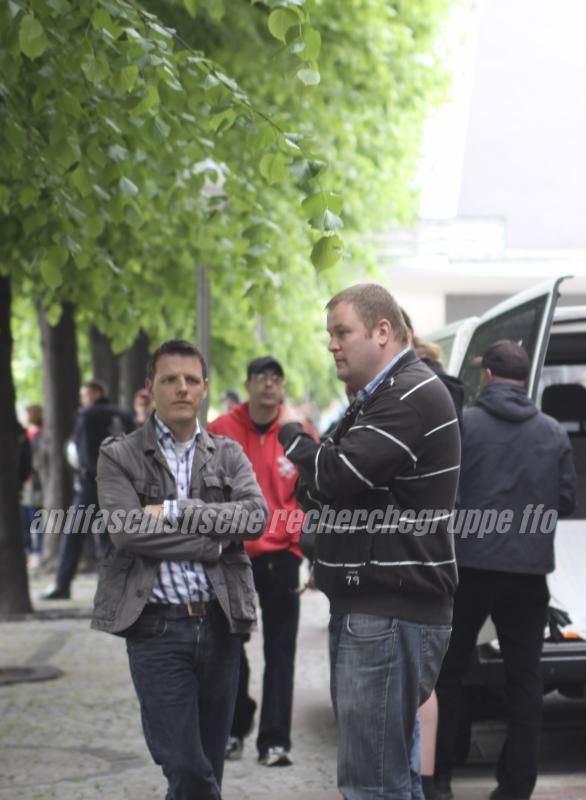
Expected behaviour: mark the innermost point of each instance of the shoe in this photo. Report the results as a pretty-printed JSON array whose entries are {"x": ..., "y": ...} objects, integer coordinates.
[
  {"x": 234, "y": 748},
  {"x": 496, "y": 794},
  {"x": 443, "y": 787},
  {"x": 276, "y": 757},
  {"x": 55, "y": 593}
]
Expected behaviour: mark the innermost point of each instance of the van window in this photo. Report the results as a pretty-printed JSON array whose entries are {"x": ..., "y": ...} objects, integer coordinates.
[
  {"x": 521, "y": 324},
  {"x": 571, "y": 415}
]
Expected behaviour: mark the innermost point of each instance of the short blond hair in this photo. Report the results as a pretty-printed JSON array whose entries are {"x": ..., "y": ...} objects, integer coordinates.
[{"x": 373, "y": 303}]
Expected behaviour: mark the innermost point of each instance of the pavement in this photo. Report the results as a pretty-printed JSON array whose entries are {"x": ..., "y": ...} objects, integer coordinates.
[{"x": 78, "y": 736}]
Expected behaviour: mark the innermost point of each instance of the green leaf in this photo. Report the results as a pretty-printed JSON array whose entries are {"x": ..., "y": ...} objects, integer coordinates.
[
  {"x": 127, "y": 188},
  {"x": 280, "y": 21},
  {"x": 65, "y": 153},
  {"x": 191, "y": 8},
  {"x": 124, "y": 80},
  {"x": 312, "y": 42},
  {"x": 31, "y": 37},
  {"x": 94, "y": 227},
  {"x": 133, "y": 215},
  {"x": 320, "y": 201},
  {"x": 118, "y": 153},
  {"x": 326, "y": 252},
  {"x": 82, "y": 181},
  {"x": 149, "y": 101},
  {"x": 4, "y": 198},
  {"x": 273, "y": 166},
  {"x": 101, "y": 19},
  {"x": 28, "y": 196},
  {"x": 263, "y": 138},
  {"x": 326, "y": 221},
  {"x": 96, "y": 70},
  {"x": 308, "y": 76},
  {"x": 51, "y": 266}
]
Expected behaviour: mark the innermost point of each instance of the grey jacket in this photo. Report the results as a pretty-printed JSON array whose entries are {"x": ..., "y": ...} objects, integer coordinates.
[{"x": 225, "y": 503}]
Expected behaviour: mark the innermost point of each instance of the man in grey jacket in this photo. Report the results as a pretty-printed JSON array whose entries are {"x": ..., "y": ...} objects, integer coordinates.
[
  {"x": 177, "y": 583},
  {"x": 515, "y": 461}
]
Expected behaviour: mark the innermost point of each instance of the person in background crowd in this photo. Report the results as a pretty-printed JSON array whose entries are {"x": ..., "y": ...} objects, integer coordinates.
[
  {"x": 230, "y": 399},
  {"x": 276, "y": 559},
  {"x": 423, "y": 754},
  {"x": 32, "y": 490},
  {"x": 142, "y": 406},
  {"x": 97, "y": 419},
  {"x": 513, "y": 457}
]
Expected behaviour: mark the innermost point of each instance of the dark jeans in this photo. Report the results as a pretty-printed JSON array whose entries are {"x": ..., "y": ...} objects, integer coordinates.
[
  {"x": 73, "y": 540},
  {"x": 382, "y": 669},
  {"x": 517, "y": 604},
  {"x": 276, "y": 577},
  {"x": 185, "y": 673}
]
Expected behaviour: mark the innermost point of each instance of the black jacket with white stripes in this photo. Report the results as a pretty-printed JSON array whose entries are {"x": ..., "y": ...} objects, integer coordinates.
[{"x": 380, "y": 492}]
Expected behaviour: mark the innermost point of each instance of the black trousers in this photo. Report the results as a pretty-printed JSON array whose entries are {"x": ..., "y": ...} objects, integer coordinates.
[
  {"x": 276, "y": 577},
  {"x": 517, "y": 604},
  {"x": 73, "y": 539}
]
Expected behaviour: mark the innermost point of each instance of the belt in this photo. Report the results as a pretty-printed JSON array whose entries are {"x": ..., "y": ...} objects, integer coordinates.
[{"x": 179, "y": 611}]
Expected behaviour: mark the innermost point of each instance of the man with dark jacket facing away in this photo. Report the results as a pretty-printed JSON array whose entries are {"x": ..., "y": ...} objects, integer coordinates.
[
  {"x": 276, "y": 558},
  {"x": 97, "y": 419},
  {"x": 177, "y": 583},
  {"x": 381, "y": 490},
  {"x": 515, "y": 461}
]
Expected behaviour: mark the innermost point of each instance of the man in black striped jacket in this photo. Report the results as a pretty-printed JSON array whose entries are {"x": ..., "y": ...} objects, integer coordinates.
[{"x": 380, "y": 492}]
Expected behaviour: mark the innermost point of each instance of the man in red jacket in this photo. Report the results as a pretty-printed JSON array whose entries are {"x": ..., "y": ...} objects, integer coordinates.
[{"x": 276, "y": 558}]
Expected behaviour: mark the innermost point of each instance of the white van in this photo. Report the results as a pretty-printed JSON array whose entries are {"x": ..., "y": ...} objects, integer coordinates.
[{"x": 555, "y": 339}]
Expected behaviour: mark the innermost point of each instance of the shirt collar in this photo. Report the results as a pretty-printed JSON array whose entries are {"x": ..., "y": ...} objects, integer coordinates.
[
  {"x": 164, "y": 433},
  {"x": 362, "y": 394}
]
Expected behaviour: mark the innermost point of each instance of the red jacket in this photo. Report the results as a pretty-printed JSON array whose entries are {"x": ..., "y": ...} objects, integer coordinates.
[{"x": 276, "y": 477}]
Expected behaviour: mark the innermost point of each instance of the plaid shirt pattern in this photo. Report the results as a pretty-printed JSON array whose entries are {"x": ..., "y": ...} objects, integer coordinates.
[{"x": 179, "y": 582}]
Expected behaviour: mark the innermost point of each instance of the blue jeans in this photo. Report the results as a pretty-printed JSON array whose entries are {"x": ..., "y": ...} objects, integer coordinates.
[
  {"x": 185, "y": 673},
  {"x": 382, "y": 669}
]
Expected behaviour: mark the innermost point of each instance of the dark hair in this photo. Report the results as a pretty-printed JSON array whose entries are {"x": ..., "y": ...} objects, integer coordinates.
[
  {"x": 35, "y": 415},
  {"x": 176, "y": 347},
  {"x": 96, "y": 386},
  {"x": 373, "y": 303}
]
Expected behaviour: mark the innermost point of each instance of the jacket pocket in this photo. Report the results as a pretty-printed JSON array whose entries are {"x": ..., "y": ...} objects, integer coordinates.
[
  {"x": 114, "y": 572},
  {"x": 216, "y": 489},
  {"x": 240, "y": 586}
]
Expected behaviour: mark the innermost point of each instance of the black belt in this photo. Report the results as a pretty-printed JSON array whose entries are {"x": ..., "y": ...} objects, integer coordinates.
[{"x": 179, "y": 611}]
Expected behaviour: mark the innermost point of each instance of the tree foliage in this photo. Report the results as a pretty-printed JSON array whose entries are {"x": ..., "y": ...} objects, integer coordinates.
[{"x": 255, "y": 138}]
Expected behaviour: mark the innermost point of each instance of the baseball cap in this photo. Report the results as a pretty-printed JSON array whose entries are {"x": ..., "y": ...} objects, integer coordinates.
[
  {"x": 507, "y": 359},
  {"x": 262, "y": 363}
]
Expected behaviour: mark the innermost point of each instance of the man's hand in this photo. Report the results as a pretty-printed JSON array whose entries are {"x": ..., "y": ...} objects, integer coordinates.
[{"x": 154, "y": 511}]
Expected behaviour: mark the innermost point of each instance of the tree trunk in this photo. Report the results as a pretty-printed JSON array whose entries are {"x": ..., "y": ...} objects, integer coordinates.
[
  {"x": 105, "y": 363},
  {"x": 203, "y": 326},
  {"x": 133, "y": 364},
  {"x": 14, "y": 595},
  {"x": 61, "y": 400}
]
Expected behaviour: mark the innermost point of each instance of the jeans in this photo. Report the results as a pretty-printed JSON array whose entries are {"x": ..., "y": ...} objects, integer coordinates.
[
  {"x": 185, "y": 673},
  {"x": 382, "y": 669},
  {"x": 415, "y": 762},
  {"x": 276, "y": 578},
  {"x": 517, "y": 604}
]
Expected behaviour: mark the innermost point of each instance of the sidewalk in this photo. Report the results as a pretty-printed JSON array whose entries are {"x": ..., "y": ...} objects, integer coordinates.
[{"x": 79, "y": 738}]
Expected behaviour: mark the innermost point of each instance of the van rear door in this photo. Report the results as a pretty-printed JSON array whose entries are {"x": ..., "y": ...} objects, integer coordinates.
[{"x": 526, "y": 318}]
